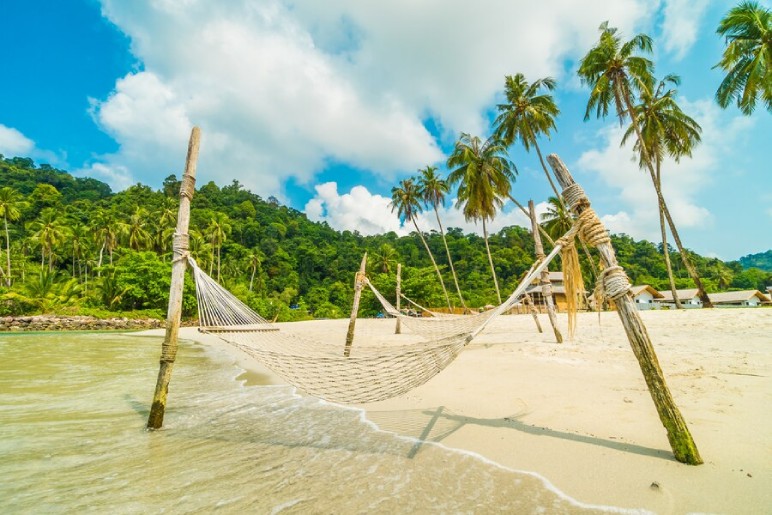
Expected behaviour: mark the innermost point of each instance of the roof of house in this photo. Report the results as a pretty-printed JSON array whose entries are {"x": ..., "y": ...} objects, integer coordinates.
[
  {"x": 725, "y": 297},
  {"x": 555, "y": 277},
  {"x": 636, "y": 290},
  {"x": 667, "y": 295}
]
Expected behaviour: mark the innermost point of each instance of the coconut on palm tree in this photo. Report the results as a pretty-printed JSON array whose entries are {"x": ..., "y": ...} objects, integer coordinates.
[
  {"x": 666, "y": 130},
  {"x": 11, "y": 206},
  {"x": 747, "y": 29},
  {"x": 406, "y": 200},
  {"x": 484, "y": 176},
  {"x": 528, "y": 114},
  {"x": 616, "y": 73},
  {"x": 433, "y": 189}
]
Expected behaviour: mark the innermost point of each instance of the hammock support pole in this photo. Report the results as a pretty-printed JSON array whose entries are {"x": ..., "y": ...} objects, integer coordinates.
[
  {"x": 546, "y": 285},
  {"x": 179, "y": 265},
  {"x": 398, "y": 329},
  {"x": 684, "y": 448},
  {"x": 359, "y": 283},
  {"x": 528, "y": 301}
]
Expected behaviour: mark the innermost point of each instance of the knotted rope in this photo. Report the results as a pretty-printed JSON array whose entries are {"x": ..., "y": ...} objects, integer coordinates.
[{"x": 612, "y": 282}]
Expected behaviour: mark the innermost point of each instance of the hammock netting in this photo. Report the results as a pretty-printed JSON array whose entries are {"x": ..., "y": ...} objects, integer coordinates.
[{"x": 376, "y": 369}]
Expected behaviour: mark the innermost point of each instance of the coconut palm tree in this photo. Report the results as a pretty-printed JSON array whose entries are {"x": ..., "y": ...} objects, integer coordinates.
[
  {"x": 11, "y": 206},
  {"x": 255, "y": 262},
  {"x": 666, "y": 130},
  {"x": 217, "y": 231},
  {"x": 106, "y": 231},
  {"x": 383, "y": 259},
  {"x": 484, "y": 176},
  {"x": 49, "y": 232},
  {"x": 406, "y": 200},
  {"x": 137, "y": 235},
  {"x": 747, "y": 29},
  {"x": 615, "y": 73},
  {"x": 433, "y": 189},
  {"x": 556, "y": 219},
  {"x": 527, "y": 115}
]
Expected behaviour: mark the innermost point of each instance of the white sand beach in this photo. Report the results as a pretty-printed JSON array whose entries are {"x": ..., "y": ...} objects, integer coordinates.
[{"x": 579, "y": 413}]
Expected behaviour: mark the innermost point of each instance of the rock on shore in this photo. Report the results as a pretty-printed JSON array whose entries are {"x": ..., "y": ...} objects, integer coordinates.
[{"x": 75, "y": 323}]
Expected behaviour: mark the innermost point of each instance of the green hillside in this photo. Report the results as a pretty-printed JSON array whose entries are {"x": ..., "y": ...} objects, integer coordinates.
[{"x": 77, "y": 247}]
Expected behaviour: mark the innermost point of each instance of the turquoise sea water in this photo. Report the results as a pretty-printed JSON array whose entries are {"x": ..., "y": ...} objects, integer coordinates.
[{"x": 73, "y": 407}]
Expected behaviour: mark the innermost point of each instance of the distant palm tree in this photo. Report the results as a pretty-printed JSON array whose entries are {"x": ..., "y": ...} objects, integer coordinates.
[
  {"x": 433, "y": 189},
  {"x": 666, "y": 130},
  {"x": 80, "y": 236},
  {"x": 556, "y": 220},
  {"x": 254, "y": 261},
  {"x": 136, "y": 230},
  {"x": 615, "y": 73},
  {"x": 11, "y": 206},
  {"x": 527, "y": 115},
  {"x": 49, "y": 232},
  {"x": 484, "y": 176},
  {"x": 747, "y": 58},
  {"x": 217, "y": 231},
  {"x": 106, "y": 230},
  {"x": 406, "y": 200},
  {"x": 384, "y": 259}
]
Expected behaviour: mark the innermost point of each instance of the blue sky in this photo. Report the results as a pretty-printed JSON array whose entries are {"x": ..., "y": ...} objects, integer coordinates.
[{"x": 327, "y": 105}]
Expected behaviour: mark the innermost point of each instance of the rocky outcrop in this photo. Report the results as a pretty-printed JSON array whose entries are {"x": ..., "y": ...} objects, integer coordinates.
[{"x": 76, "y": 323}]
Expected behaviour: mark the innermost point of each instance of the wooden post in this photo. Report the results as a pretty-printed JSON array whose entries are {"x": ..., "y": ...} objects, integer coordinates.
[
  {"x": 546, "y": 285},
  {"x": 532, "y": 308},
  {"x": 684, "y": 448},
  {"x": 398, "y": 330},
  {"x": 179, "y": 265},
  {"x": 359, "y": 283}
]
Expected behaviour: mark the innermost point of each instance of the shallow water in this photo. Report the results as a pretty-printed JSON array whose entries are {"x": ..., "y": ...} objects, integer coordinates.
[{"x": 73, "y": 408}]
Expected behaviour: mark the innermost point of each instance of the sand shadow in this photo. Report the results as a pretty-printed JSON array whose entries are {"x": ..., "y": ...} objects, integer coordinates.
[{"x": 436, "y": 424}]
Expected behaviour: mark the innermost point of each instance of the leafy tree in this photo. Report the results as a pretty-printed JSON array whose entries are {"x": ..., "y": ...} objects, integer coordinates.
[
  {"x": 484, "y": 176},
  {"x": 555, "y": 219},
  {"x": 527, "y": 115},
  {"x": 747, "y": 29},
  {"x": 11, "y": 207},
  {"x": 615, "y": 73},
  {"x": 406, "y": 200},
  {"x": 384, "y": 259}
]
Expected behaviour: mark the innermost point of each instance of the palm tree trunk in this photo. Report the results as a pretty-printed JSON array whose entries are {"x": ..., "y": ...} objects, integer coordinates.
[
  {"x": 647, "y": 159},
  {"x": 546, "y": 172},
  {"x": 436, "y": 268},
  {"x": 450, "y": 260},
  {"x": 7, "y": 253},
  {"x": 665, "y": 250},
  {"x": 546, "y": 285},
  {"x": 252, "y": 278},
  {"x": 490, "y": 260}
]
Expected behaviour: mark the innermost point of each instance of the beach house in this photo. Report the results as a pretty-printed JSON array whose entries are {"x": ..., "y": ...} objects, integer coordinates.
[
  {"x": 644, "y": 296},
  {"x": 688, "y": 298},
  {"x": 738, "y": 298}
]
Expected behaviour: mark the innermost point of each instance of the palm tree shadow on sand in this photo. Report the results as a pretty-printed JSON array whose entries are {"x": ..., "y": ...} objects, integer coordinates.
[{"x": 436, "y": 424}]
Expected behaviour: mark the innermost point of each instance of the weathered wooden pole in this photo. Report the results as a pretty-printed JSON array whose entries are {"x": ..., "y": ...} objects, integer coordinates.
[
  {"x": 546, "y": 285},
  {"x": 398, "y": 329},
  {"x": 179, "y": 265},
  {"x": 532, "y": 308},
  {"x": 617, "y": 287},
  {"x": 359, "y": 283}
]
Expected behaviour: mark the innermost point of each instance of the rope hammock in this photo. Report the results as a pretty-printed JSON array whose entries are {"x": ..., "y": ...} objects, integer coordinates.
[{"x": 374, "y": 371}]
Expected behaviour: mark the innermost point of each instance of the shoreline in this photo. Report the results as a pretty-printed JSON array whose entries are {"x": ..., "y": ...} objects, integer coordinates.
[{"x": 579, "y": 414}]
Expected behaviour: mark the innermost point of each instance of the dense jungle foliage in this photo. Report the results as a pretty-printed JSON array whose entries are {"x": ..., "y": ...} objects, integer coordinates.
[{"x": 72, "y": 246}]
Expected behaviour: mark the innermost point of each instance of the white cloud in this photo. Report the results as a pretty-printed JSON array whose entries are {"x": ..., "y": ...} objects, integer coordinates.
[
  {"x": 13, "y": 143},
  {"x": 360, "y": 210},
  {"x": 683, "y": 183},
  {"x": 282, "y": 89},
  {"x": 681, "y": 24}
]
